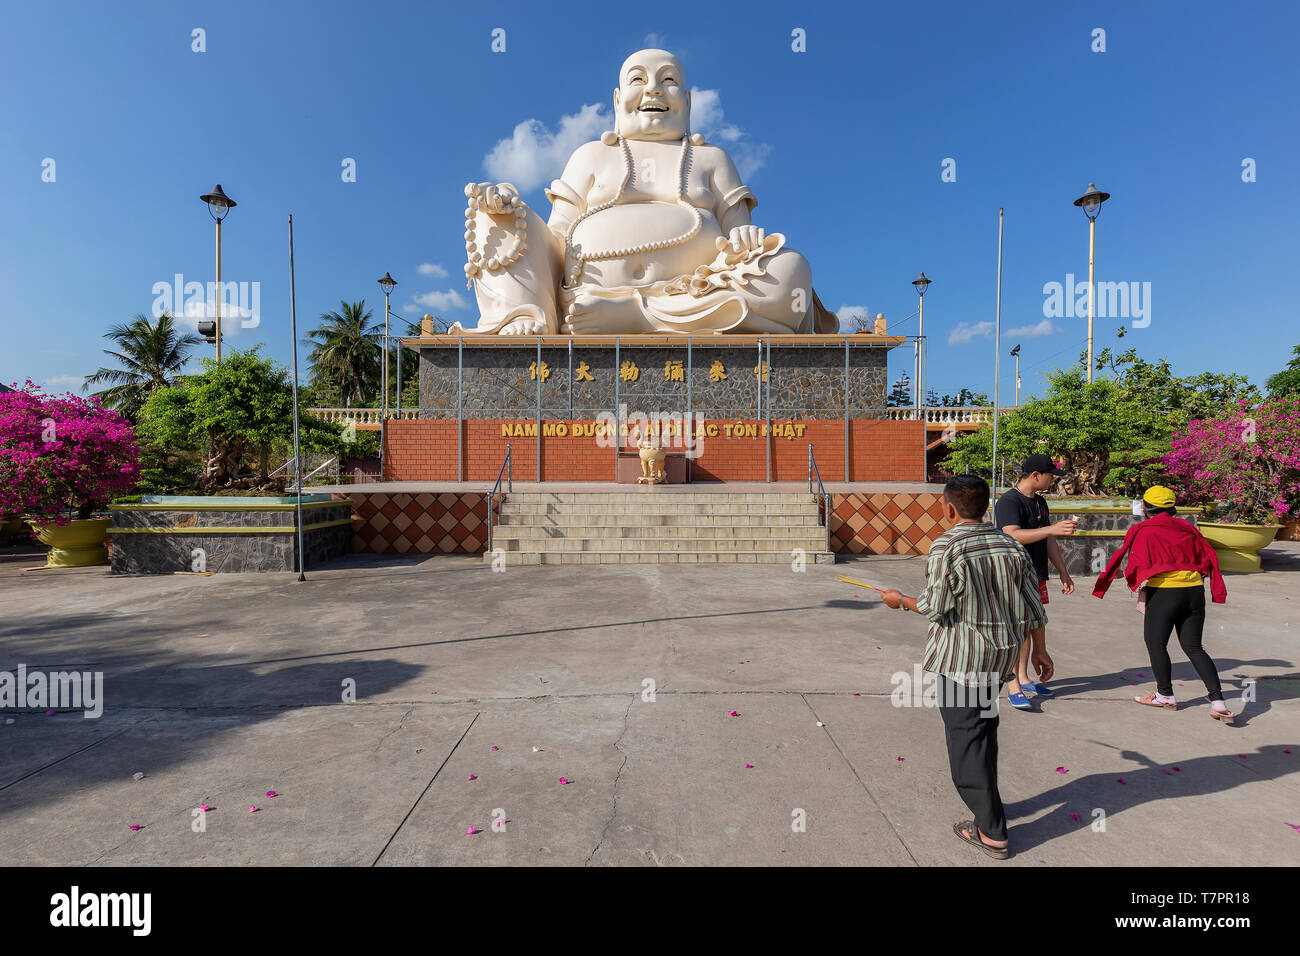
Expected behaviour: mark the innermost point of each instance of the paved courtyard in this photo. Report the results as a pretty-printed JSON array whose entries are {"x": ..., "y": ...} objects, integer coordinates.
[{"x": 218, "y": 689}]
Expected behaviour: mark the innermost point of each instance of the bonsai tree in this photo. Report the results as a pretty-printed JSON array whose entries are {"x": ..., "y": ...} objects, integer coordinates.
[
  {"x": 235, "y": 414},
  {"x": 1243, "y": 462},
  {"x": 62, "y": 457}
]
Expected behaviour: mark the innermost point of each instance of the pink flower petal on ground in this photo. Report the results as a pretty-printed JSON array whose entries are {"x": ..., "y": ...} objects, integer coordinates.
[
  {"x": 1142, "y": 675},
  {"x": 1242, "y": 756},
  {"x": 472, "y": 776},
  {"x": 1179, "y": 769},
  {"x": 271, "y": 793},
  {"x": 204, "y": 807},
  {"x": 1291, "y": 825},
  {"x": 564, "y": 781},
  {"x": 732, "y": 713},
  {"x": 1167, "y": 773},
  {"x": 49, "y": 713},
  {"x": 899, "y": 759},
  {"x": 1287, "y": 751},
  {"x": 252, "y": 809},
  {"x": 857, "y": 695},
  {"x": 1061, "y": 770},
  {"x": 749, "y": 766},
  {"x": 470, "y": 831},
  {"x": 1121, "y": 780},
  {"x": 496, "y": 748},
  {"x": 877, "y": 647},
  {"x": 135, "y": 826},
  {"x": 1074, "y": 816}
]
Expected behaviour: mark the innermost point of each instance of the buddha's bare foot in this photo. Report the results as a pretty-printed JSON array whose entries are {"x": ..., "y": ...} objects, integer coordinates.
[
  {"x": 524, "y": 327},
  {"x": 601, "y": 315}
]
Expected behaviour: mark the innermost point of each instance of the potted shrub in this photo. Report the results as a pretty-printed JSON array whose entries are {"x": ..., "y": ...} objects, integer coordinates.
[
  {"x": 1243, "y": 466},
  {"x": 61, "y": 457}
]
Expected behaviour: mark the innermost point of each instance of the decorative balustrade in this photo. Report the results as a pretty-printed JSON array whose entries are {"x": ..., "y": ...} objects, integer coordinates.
[
  {"x": 934, "y": 414},
  {"x": 362, "y": 416},
  {"x": 948, "y": 414}
]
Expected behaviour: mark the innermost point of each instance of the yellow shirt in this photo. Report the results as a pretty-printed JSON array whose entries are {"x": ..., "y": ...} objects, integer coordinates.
[{"x": 1175, "y": 579}]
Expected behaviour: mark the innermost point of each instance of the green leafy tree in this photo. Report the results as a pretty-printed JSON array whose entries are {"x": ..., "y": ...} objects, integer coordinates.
[
  {"x": 1287, "y": 381},
  {"x": 347, "y": 354},
  {"x": 901, "y": 392},
  {"x": 1092, "y": 426},
  {"x": 966, "y": 397},
  {"x": 150, "y": 356},
  {"x": 235, "y": 414}
]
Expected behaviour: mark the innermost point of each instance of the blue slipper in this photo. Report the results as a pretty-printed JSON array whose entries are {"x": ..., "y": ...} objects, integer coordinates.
[
  {"x": 1038, "y": 690},
  {"x": 1020, "y": 701}
]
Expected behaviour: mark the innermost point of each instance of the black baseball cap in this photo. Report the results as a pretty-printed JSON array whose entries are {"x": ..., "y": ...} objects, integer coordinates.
[{"x": 1041, "y": 464}]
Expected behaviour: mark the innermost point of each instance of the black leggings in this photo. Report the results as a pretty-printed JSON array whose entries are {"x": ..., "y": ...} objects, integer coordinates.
[{"x": 1181, "y": 610}]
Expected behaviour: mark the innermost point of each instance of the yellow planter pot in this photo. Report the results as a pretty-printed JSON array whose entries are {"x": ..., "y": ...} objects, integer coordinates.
[
  {"x": 77, "y": 544},
  {"x": 1238, "y": 545}
]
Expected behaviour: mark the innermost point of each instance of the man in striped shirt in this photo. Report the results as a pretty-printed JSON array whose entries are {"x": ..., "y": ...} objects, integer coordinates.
[{"x": 981, "y": 598}]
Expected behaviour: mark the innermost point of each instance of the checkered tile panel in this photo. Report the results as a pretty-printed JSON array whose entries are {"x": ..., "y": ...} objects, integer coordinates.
[
  {"x": 452, "y": 522},
  {"x": 885, "y": 523}
]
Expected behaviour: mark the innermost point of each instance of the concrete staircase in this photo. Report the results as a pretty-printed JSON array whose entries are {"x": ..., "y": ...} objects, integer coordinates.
[{"x": 657, "y": 526}]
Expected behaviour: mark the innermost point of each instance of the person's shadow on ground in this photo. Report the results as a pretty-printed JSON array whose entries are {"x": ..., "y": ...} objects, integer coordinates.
[
  {"x": 1188, "y": 688},
  {"x": 1146, "y": 783}
]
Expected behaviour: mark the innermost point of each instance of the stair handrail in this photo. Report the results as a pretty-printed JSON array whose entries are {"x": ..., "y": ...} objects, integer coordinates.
[
  {"x": 822, "y": 493},
  {"x": 506, "y": 469}
]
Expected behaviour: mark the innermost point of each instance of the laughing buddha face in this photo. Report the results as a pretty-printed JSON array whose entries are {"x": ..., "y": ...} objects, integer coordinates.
[{"x": 652, "y": 101}]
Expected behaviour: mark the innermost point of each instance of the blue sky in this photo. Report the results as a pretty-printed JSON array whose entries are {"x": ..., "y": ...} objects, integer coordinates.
[{"x": 844, "y": 145}]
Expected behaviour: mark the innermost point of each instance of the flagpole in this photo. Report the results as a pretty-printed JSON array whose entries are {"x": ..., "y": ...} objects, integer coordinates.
[
  {"x": 297, "y": 454},
  {"x": 997, "y": 358}
]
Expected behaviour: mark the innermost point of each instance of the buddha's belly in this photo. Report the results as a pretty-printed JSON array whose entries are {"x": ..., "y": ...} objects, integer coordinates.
[{"x": 643, "y": 223}]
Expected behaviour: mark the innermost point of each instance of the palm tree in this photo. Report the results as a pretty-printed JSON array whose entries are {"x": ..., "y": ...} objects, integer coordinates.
[
  {"x": 346, "y": 354},
  {"x": 150, "y": 356}
]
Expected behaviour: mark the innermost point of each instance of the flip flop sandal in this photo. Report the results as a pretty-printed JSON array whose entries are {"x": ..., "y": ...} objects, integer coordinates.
[
  {"x": 965, "y": 828},
  {"x": 1226, "y": 716},
  {"x": 1150, "y": 701}
]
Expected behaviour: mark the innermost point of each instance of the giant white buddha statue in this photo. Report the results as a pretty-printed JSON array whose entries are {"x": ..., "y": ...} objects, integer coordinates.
[{"x": 650, "y": 232}]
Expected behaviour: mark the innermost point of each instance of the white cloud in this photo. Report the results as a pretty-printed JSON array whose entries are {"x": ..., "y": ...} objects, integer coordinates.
[
  {"x": 964, "y": 333},
  {"x": 1044, "y": 327},
  {"x": 442, "y": 301},
  {"x": 708, "y": 117},
  {"x": 848, "y": 314},
  {"x": 534, "y": 155},
  {"x": 62, "y": 383},
  {"x": 655, "y": 41},
  {"x": 430, "y": 269}
]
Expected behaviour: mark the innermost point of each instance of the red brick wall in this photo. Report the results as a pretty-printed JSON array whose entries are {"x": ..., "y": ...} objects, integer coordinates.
[{"x": 425, "y": 450}]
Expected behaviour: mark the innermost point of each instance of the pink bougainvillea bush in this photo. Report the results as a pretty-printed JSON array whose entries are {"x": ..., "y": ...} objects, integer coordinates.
[
  {"x": 62, "y": 456},
  {"x": 1244, "y": 462}
]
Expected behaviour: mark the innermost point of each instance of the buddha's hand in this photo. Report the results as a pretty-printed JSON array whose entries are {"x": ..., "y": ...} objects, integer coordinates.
[
  {"x": 742, "y": 239},
  {"x": 498, "y": 198}
]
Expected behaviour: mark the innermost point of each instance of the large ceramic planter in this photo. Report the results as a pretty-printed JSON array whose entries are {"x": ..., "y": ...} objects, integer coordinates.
[
  {"x": 1238, "y": 545},
  {"x": 77, "y": 544}
]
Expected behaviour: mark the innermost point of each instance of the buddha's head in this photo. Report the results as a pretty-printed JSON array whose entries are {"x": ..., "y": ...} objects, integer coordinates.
[{"x": 652, "y": 101}]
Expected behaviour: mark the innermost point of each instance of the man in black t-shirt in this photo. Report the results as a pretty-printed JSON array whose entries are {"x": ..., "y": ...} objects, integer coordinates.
[{"x": 1022, "y": 513}]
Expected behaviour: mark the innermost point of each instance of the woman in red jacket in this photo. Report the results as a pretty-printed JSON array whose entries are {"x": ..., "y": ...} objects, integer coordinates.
[{"x": 1169, "y": 560}]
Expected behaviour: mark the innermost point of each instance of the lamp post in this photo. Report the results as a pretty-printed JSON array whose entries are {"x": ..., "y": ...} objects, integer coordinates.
[
  {"x": 1090, "y": 202},
  {"x": 921, "y": 282},
  {"x": 386, "y": 283},
  {"x": 1016, "y": 352},
  {"x": 219, "y": 206}
]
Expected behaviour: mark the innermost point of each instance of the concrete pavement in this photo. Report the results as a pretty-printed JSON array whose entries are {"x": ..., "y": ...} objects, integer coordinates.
[{"x": 221, "y": 688}]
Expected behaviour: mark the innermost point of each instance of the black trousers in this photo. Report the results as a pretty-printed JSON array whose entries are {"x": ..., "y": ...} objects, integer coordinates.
[
  {"x": 972, "y": 733},
  {"x": 1181, "y": 610}
]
